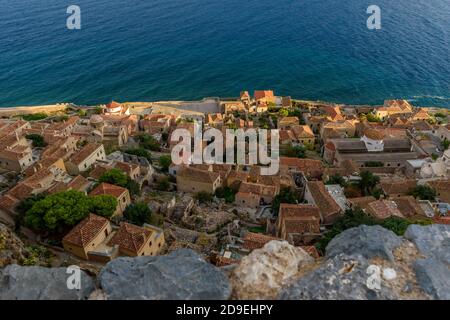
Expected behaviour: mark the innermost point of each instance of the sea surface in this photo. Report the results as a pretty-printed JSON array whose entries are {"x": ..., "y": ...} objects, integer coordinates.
[{"x": 150, "y": 50}]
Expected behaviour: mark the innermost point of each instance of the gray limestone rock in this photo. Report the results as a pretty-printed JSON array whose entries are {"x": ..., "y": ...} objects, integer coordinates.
[
  {"x": 434, "y": 277},
  {"x": 339, "y": 278},
  {"x": 432, "y": 241},
  {"x": 181, "y": 275},
  {"x": 368, "y": 241},
  {"x": 39, "y": 283}
]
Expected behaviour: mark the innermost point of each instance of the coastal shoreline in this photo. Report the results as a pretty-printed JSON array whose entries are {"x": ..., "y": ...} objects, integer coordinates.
[{"x": 173, "y": 106}]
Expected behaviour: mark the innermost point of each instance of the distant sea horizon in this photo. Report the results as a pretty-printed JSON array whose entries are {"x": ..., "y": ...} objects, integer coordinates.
[{"x": 163, "y": 50}]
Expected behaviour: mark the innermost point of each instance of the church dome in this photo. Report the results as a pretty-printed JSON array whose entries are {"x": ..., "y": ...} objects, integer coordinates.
[{"x": 96, "y": 119}]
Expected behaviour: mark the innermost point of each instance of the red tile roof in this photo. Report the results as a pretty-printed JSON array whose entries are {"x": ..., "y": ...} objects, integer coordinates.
[
  {"x": 130, "y": 237},
  {"x": 324, "y": 201},
  {"x": 256, "y": 240},
  {"x": 86, "y": 230},
  {"x": 110, "y": 189}
]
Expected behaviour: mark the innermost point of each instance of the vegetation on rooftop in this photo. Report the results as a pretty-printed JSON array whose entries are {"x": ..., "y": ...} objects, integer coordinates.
[{"x": 37, "y": 140}]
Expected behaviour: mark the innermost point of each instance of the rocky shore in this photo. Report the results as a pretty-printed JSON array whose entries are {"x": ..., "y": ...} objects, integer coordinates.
[{"x": 363, "y": 263}]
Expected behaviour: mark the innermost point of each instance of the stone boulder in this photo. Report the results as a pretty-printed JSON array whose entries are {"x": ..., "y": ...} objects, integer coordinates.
[
  {"x": 262, "y": 273},
  {"x": 12, "y": 250},
  {"x": 339, "y": 278},
  {"x": 39, "y": 283},
  {"x": 433, "y": 241},
  {"x": 367, "y": 241},
  {"x": 180, "y": 275},
  {"x": 434, "y": 277},
  {"x": 433, "y": 272}
]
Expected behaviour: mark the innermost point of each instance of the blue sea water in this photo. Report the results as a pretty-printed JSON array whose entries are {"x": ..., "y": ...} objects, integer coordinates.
[{"x": 149, "y": 50}]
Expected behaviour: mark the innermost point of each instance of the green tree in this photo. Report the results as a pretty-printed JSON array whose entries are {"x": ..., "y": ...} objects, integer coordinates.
[
  {"x": 203, "y": 197},
  {"x": 35, "y": 116},
  {"x": 150, "y": 143},
  {"x": 140, "y": 152},
  {"x": 372, "y": 118},
  {"x": 286, "y": 195},
  {"x": 226, "y": 193},
  {"x": 115, "y": 177},
  {"x": 138, "y": 213},
  {"x": 337, "y": 179},
  {"x": 37, "y": 140},
  {"x": 165, "y": 162},
  {"x": 424, "y": 193},
  {"x": 163, "y": 184},
  {"x": 119, "y": 178},
  {"x": 103, "y": 205},
  {"x": 58, "y": 212},
  {"x": 296, "y": 152},
  {"x": 24, "y": 206},
  {"x": 445, "y": 144},
  {"x": 283, "y": 112},
  {"x": 368, "y": 182}
]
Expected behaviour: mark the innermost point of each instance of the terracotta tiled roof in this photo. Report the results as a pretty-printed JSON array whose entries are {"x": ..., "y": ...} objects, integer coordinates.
[
  {"x": 98, "y": 170},
  {"x": 374, "y": 134},
  {"x": 256, "y": 240},
  {"x": 383, "y": 209},
  {"x": 8, "y": 202},
  {"x": 130, "y": 237},
  {"x": 106, "y": 188},
  {"x": 20, "y": 191},
  {"x": 261, "y": 94},
  {"x": 78, "y": 183},
  {"x": 303, "y": 132},
  {"x": 113, "y": 104},
  {"x": 198, "y": 175},
  {"x": 409, "y": 206},
  {"x": 85, "y": 152},
  {"x": 309, "y": 166},
  {"x": 324, "y": 201},
  {"x": 402, "y": 187},
  {"x": 221, "y": 261},
  {"x": 298, "y": 210},
  {"x": 361, "y": 202},
  {"x": 86, "y": 230}
]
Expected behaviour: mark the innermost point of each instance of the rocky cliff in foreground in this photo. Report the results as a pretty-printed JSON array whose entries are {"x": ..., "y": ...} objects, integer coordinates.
[{"x": 361, "y": 263}]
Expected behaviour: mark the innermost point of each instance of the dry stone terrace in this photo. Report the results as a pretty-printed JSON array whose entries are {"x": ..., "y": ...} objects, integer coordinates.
[{"x": 339, "y": 166}]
